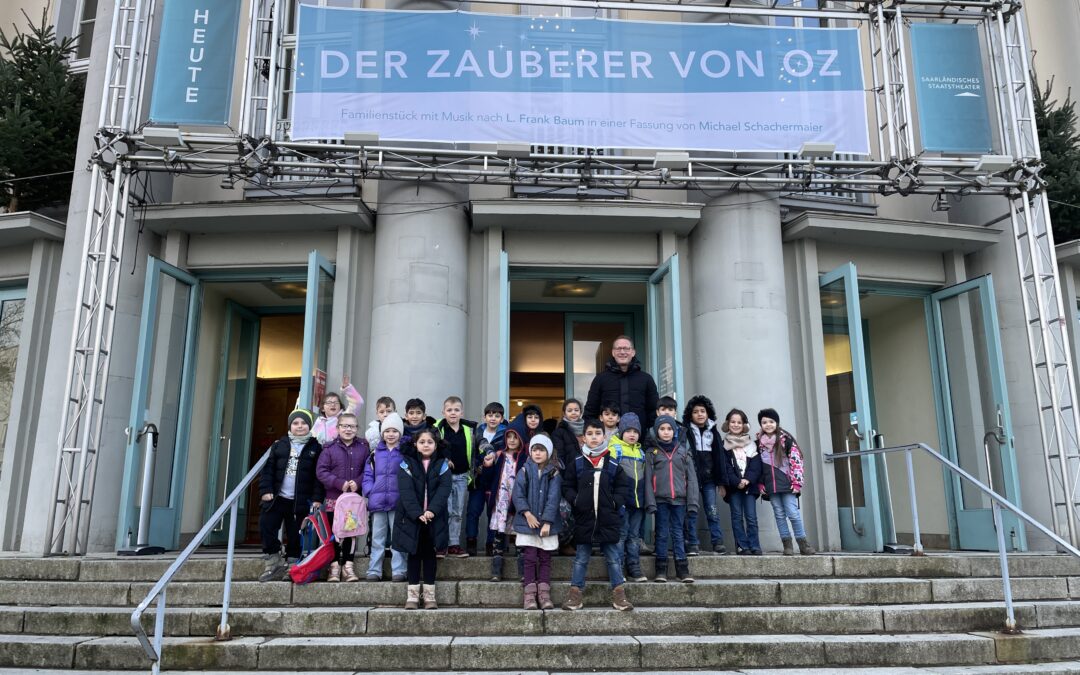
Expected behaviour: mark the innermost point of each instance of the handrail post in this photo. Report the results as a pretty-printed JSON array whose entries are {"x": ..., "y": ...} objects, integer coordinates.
[
  {"x": 159, "y": 631},
  {"x": 1003, "y": 555},
  {"x": 224, "y": 632},
  {"x": 917, "y": 548}
]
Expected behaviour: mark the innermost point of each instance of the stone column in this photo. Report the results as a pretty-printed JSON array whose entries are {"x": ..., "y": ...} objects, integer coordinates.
[
  {"x": 419, "y": 316},
  {"x": 739, "y": 313}
]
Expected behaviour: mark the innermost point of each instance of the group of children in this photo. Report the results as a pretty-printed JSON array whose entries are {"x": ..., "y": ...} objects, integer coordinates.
[{"x": 588, "y": 485}]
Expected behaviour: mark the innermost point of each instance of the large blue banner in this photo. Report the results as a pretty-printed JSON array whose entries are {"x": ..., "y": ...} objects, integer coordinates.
[
  {"x": 465, "y": 77},
  {"x": 950, "y": 88},
  {"x": 194, "y": 72}
]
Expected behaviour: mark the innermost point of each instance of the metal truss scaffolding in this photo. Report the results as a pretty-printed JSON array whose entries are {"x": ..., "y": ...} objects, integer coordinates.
[
  {"x": 261, "y": 153},
  {"x": 82, "y": 412}
]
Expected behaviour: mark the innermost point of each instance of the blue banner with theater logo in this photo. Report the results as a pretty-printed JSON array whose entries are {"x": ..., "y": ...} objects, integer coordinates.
[
  {"x": 950, "y": 88},
  {"x": 466, "y": 77},
  {"x": 195, "y": 60}
]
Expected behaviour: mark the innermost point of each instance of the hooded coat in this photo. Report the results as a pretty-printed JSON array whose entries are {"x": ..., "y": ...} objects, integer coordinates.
[
  {"x": 538, "y": 492},
  {"x": 413, "y": 483},
  {"x": 308, "y": 487},
  {"x": 380, "y": 478},
  {"x": 599, "y": 521},
  {"x": 339, "y": 463},
  {"x": 634, "y": 391},
  {"x": 706, "y": 459}
]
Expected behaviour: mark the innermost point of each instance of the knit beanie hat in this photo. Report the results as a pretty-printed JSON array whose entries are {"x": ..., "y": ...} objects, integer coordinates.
[
  {"x": 770, "y": 413},
  {"x": 666, "y": 419},
  {"x": 300, "y": 413},
  {"x": 629, "y": 421},
  {"x": 392, "y": 421},
  {"x": 541, "y": 440}
]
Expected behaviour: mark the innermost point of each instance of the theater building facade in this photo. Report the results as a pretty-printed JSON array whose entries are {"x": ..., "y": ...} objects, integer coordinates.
[{"x": 865, "y": 320}]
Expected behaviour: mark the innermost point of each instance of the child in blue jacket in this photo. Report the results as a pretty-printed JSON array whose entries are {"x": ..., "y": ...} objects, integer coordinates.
[{"x": 537, "y": 491}]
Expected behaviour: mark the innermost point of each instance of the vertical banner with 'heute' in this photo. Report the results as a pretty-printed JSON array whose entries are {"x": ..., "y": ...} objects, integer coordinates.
[
  {"x": 194, "y": 72},
  {"x": 950, "y": 88},
  {"x": 459, "y": 76}
]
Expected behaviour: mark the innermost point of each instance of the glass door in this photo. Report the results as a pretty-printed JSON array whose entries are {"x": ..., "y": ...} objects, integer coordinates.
[
  {"x": 588, "y": 347},
  {"x": 233, "y": 406},
  {"x": 859, "y": 507},
  {"x": 978, "y": 429},
  {"x": 318, "y": 314},
  {"x": 665, "y": 329},
  {"x": 161, "y": 396}
]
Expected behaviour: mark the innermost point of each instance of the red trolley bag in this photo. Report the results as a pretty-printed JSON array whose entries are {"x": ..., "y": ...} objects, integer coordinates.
[{"x": 312, "y": 564}]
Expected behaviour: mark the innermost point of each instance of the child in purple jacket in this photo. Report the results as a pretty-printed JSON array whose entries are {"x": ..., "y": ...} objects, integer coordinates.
[
  {"x": 381, "y": 489},
  {"x": 340, "y": 470}
]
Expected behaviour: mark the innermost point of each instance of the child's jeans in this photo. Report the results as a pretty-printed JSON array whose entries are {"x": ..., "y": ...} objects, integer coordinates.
[
  {"x": 708, "y": 505},
  {"x": 382, "y": 533},
  {"x": 785, "y": 507},
  {"x": 669, "y": 525},
  {"x": 280, "y": 510},
  {"x": 459, "y": 488},
  {"x": 537, "y": 566},
  {"x": 477, "y": 500},
  {"x": 611, "y": 558},
  {"x": 744, "y": 520},
  {"x": 630, "y": 535}
]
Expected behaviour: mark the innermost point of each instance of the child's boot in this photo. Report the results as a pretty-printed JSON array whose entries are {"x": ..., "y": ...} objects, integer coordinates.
[
  {"x": 470, "y": 546},
  {"x": 496, "y": 568},
  {"x": 429, "y": 597},
  {"x": 273, "y": 567},
  {"x": 349, "y": 572},
  {"x": 788, "y": 548},
  {"x": 618, "y": 599},
  {"x": 633, "y": 570},
  {"x": 804, "y": 547},
  {"x": 543, "y": 595},
  {"x": 661, "y": 570},
  {"x": 573, "y": 599},
  {"x": 413, "y": 599},
  {"x": 530, "y": 597},
  {"x": 335, "y": 572},
  {"x": 682, "y": 571}
]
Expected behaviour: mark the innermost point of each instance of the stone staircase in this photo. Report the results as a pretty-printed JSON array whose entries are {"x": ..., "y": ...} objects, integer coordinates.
[{"x": 825, "y": 613}]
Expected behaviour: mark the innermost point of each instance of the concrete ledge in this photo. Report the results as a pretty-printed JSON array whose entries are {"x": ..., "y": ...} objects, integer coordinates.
[
  {"x": 208, "y": 594},
  {"x": 260, "y": 216},
  {"x": 382, "y": 653},
  {"x": 36, "y": 651},
  {"x": 65, "y": 593},
  {"x": 581, "y": 653},
  {"x": 791, "y": 620},
  {"x": 744, "y": 651},
  {"x": 460, "y": 622},
  {"x": 117, "y": 653},
  {"x": 24, "y": 227},
  {"x": 888, "y": 233},
  {"x": 916, "y": 650},
  {"x": 1048, "y": 644},
  {"x": 99, "y": 621},
  {"x": 1029, "y": 588},
  {"x": 641, "y": 621},
  {"x": 949, "y": 617},
  {"x": 282, "y": 621},
  {"x": 865, "y": 592},
  {"x": 568, "y": 215}
]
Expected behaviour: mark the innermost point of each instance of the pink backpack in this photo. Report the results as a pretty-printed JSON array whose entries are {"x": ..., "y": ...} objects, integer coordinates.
[{"x": 350, "y": 516}]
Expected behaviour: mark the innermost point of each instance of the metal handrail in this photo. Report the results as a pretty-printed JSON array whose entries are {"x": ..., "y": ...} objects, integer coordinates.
[
  {"x": 997, "y": 501},
  {"x": 158, "y": 591}
]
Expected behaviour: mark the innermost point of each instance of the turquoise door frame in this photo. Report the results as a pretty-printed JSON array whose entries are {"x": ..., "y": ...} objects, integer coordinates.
[
  {"x": 973, "y": 528},
  {"x": 235, "y": 395},
  {"x": 164, "y": 521},
  {"x": 669, "y": 273},
  {"x": 861, "y": 527},
  {"x": 316, "y": 325},
  {"x": 504, "y": 329}
]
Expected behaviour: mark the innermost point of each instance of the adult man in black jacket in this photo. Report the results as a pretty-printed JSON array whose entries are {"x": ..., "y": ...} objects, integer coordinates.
[{"x": 624, "y": 382}]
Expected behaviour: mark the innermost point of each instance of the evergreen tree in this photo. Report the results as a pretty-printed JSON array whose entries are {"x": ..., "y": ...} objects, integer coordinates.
[
  {"x": 1060, "y": 147},
  {"x": 40, "y": 108}
]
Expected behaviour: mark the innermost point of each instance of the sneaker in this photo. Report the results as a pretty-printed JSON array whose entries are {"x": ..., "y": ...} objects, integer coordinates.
[
  {"x": 398, "y": 577},
  {"x": 573, "y": 599},
  {"x": 742, "y": 551},
  {"x": 719, "y": 549},
  {"x": 634, "y": 573},
  {"x": 273, "y": 568},
  {"x": 456, "y": 552},
  {"x": 441, "y": 553},
  {"x": 756, "y": 551},
  {"x": 693, "y": 549},
  {"x": 372, "y": 577}
]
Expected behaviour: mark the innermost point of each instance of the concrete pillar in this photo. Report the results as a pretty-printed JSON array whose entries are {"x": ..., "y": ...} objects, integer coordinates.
[
  {"x": 419, "y": 316},
  {"x": 739, "y": 314}
]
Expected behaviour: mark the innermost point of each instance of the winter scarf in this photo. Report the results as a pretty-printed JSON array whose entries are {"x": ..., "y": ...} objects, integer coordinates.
[
  {"x": 577, "y": 427},
  {"x": 740, "y": 446}
]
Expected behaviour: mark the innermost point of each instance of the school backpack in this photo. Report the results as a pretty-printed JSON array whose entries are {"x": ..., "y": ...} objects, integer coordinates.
[
  {"x": 312, "y": 564},
  {"x": 350, "y": 516}
]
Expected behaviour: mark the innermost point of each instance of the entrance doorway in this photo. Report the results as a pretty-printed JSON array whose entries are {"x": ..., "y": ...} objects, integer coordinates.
[
  {"x": 909, "y": 364},
  {"x": 561, "y": 323},
  {"x": 254, "y": 345}
]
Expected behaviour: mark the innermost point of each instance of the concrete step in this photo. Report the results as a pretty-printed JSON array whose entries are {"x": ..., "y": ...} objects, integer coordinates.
[
  {"x": 322, "y": 621},
  {"x": 703, "y": 593},
  {"x": 211, "y": 567},
  {"x": 1042, "y": 668},
  {"x": 572, "y": 654}
]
